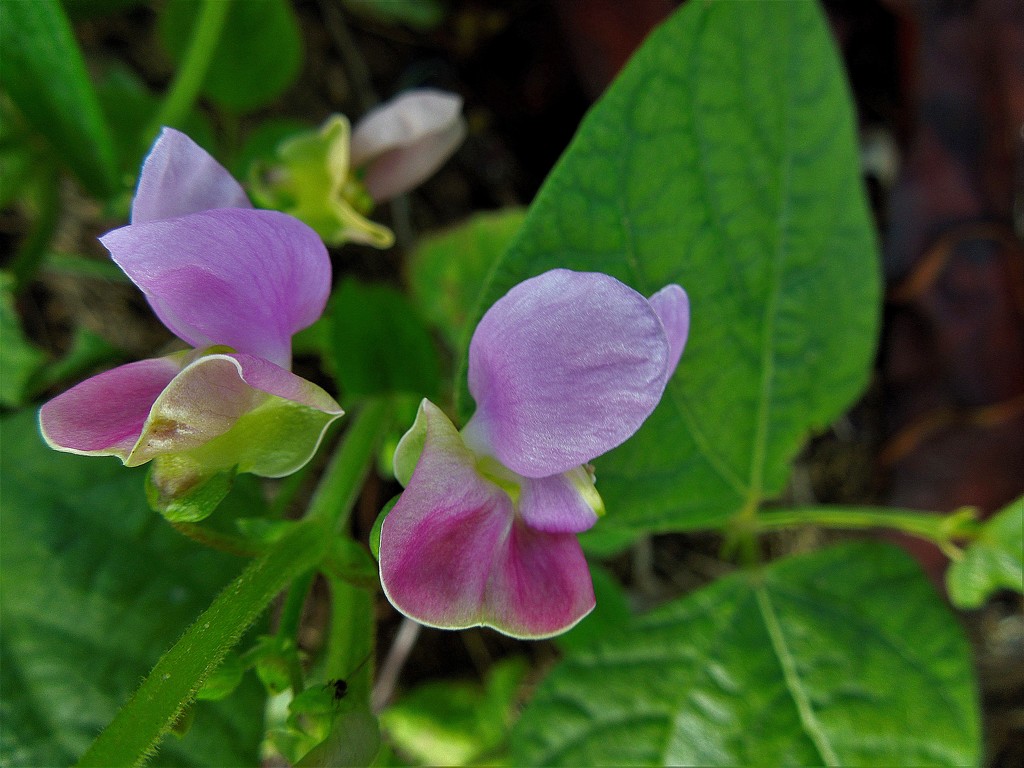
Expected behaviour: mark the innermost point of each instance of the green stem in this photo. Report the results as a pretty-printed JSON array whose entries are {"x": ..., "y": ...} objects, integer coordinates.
[
  {"x": 941, "y": 529},
  {"x": 194, "y": 65},
  {"x": 233, "y": 545},
  {"x": 291, "y": 619},
  {"x": 172, "y": 684},
  {"x": 339, "y": 488},
  {"x": 351, "y": 639}
]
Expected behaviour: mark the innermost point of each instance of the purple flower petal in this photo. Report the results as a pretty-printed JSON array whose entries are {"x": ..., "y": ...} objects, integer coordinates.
[
  {"x": 209, "y": 398},
  {"x": 453, "y": 554},
  {"x": 105, "y": 415},
  {"x": 403, "y": 142},
  {"x": 560, "y": 503},
  {"x": 242, "y": 278},
  {"x": 563, "y": 368},
  {"x": 673, "y": 308},
  {"x": 179, "y": 177}
]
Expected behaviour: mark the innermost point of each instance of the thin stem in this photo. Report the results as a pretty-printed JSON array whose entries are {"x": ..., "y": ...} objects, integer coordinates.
[
  {"x": 344, "y": 476},
  {"x": 225, "y": 542},
  {"x": 194, "y": 65},
  {"x": 351, "y": 640},
  {"x": 391, "y": 669},
  {"x": 150, "y": 712},
  {"x": 941, "y": 529},
  {"x": 291, "y": 619}
]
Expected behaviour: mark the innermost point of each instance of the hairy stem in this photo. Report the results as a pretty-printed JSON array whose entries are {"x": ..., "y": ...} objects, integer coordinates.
[{"x": 133, "y": 734}]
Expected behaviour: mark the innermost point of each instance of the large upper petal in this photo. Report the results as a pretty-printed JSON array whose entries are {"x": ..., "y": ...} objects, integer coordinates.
[
  {"x": 404, "y": 141},
  {"x": 180, "y": 177},
  {"x": 563, "y": 368},
  {"x": 454, "y": 555},
  {"x": 673, "y": 308},
  {"x": 247, "y": 279},
  {"x": 105, "y": 415}
]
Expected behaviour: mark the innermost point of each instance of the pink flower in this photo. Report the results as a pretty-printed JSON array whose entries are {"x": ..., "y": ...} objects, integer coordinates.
[
  {"x": 563, "y": 368},
  {"x": 233, "y": 282}
]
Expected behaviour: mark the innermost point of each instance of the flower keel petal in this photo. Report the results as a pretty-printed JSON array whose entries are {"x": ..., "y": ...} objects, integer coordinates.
[
  {"x": 225, "y": 411},
  {"x": 564, "y": 503}
]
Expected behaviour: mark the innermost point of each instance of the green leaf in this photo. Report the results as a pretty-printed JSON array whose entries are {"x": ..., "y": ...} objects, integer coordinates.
[
  {"x": 259, "y": 54},
  {"x": 611, "y": 613},
  {"x": 842, "y": 657},
  {"x": 456, "y": 722},
  {"x": 20, "y": 359},
  {"x": 723, "y": 159},
  {"x": 381, "y": 346},
  {"x": 448, "y": 269},
  {"x": 45, "y": 75},
  {"x": 994, "y": 561},
  {"x": 96, "y": 587},
  {"x": 420, "y": 15}
]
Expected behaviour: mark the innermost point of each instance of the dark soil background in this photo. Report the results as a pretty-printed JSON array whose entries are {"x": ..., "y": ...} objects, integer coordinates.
[{"x": 939, "y": 88}]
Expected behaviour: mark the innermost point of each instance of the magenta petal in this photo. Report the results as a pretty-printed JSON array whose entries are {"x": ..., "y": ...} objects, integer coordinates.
[
  {"x": 105, "y": 415},
  {"x": 563, "y": 368},
  {"x": 540, "y": 584},
  {"x": 438, "y": 542},
  {"x": 453, "y": 555},
  {"x": 180, "y": 177},
  {"x": 673, "y": 308},
  {"x": 556, "y": 505},
  {"x": 243, "y": 278},
  {"x": 403, "y": 142}
]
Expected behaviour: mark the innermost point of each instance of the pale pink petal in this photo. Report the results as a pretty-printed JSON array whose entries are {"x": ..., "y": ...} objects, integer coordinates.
[
  {"x": 207, "y": 399},
  {"x": 274, "y": 380},
  {"x": 673, "y": 308},
  {"x": 401, "y": 143},
  {"x": 243, "y": 278},
  {"x": 563, "y": 368},
  {"x": 105, "y": 415},
  {"x": 453, "y": 554},
  {"x": 180, "y": 177},
  {"x": 557, "y": 504}
]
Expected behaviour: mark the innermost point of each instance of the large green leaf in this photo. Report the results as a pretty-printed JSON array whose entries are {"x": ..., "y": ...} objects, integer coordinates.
[
  {"x": 258, "y": 56},
  {"x": 448, "y": 269},
  {"x": 994, "y": 561},
  {"x": 723, "y": 159},
  {"x": 45, "y": 75},
  {"x": 380, "y": 345},
  {"x": 843, "y": 657},
  {"x": 95, "y": 588}
]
